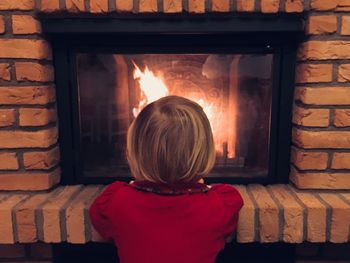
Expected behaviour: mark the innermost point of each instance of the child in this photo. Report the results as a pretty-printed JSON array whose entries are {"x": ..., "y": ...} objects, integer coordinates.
[{"x": 168, "y": 214}]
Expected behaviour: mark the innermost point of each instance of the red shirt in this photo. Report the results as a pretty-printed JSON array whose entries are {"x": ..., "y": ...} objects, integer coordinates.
[{"x": 155, "y": 223}]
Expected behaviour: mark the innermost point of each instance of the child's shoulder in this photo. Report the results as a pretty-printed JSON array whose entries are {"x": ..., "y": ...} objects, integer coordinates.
[
  {"x": 115, "y": 186},
  {"x": 112, "y": 189},
  {"x": 229, "y": 194}
]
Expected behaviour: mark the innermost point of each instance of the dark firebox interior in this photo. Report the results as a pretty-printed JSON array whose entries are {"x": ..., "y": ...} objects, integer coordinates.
[{"x": 234, "y": 88}]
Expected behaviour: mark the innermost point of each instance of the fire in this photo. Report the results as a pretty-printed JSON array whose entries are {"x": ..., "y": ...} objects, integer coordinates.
[{"x": 153, "y": 88}]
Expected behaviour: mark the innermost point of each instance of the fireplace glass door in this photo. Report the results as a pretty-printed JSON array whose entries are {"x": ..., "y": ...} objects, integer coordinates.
[{"x": 234, "y": 90}]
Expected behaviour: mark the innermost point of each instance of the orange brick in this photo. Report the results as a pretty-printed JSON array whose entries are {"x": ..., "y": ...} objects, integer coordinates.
[
  {"x": 149, "y": 6},
  {"x": 27, "y": 95},
  {"x": 220, "y": 5},
  {"x": 98, "y": 6},
  {"x": 2, "y": 25},
  {"x": 342, "y": 118},
  {"x": 347, "y": 197},
  {"x": 317, "y": 25},
  {"x": 172, "y": 6},
  {"x": 323, "y": 96},
  {"x": 50, "y": 5},
  {"x": 6, "y": 222},
  {"x": 196, "y": 6},
  {"x": 93, "y": 235},
  {"x": 29, "y": 181},
  {"x": 311, "y": 117},
  {"x": 316, "y": 216},
  {"x": 270, "y": 6},
  {"x": 345, "y": 25},
  {"x": 8, "y": 161},
  {"x": 294, "y": 6},
  {"x": 309, "y": 160},
  {"x": 320, "y": 50},
  {"x": 27, "y": 229},
  {"x": 75, "y": 6},
  {"x": 307, "y": 73},
  {"x": 7, "y": 117},
  {"x": 321, "y": 139},
  {"x": 51, "y": 213},
  {"x": 268, "y": 214},
  {"x": 245, "y": 5},
  {"x": 41, "y": 160},
  {"x": 322, "y": 5},
  {"x": 341, "y": 160},
  {"x": 340, "y": 220},
  {"x": 30, "y": 71},
  {"x": 344, "y": 73},
  {"x": 25, "y": 48},
  {"x": 343, "y": 5},
  {"x": 25, "y": 24},
  {"x": 12, "y": 251},
  {"x": 28, "y": 139},
  {"x": 320, "y": 180},
  {"x": 17, "y": 4},
  {"x": 5, "y": 71},
  {"x": 246, "y": 221},
  {"x": 124, "y": 5},
  {"x": 36, "y": 117},
  {"x": 75, "y": 215},
  {"x": 293, "y": 214}
]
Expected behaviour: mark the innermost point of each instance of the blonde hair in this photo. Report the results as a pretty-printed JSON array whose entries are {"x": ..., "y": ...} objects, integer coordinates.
[{"x": 170, "y": 141}]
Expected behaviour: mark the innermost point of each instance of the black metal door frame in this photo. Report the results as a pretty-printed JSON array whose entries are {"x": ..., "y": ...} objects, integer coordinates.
[{"x": 277, "y": 35}]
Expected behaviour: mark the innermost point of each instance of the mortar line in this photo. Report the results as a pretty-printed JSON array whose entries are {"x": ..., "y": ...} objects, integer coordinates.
[
  {"x": 329, "y": 214},
  {"x": 256, "y": 215},
  {"x": 14, "y": 219},
  {"x": 39, "y": 216},
  {"x": 62, "y": 213},
  {"x": 281, "y": 212},
  {"x": 305, "y": 212},
  {"x": 87, "y": 222}
]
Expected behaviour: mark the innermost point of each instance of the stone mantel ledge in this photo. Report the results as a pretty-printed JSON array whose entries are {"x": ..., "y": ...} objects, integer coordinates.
[{"x": 271, "y": 214}]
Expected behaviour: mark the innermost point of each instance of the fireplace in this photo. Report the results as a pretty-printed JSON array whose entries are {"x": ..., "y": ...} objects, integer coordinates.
[
  {"x": 233, "y": 89},
  {"x": 239, "y": 69},
  {"x": 29, "y": 158}
]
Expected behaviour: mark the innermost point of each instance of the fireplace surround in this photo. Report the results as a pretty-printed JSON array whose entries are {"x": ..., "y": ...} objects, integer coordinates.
[
  {"x": 30, "y": 143},
  {"x": 240, "y": 69},
  {"x": 30, "y": 158}
]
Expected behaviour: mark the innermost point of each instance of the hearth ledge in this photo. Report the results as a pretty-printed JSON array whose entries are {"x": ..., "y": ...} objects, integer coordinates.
[{"x": 275, "y": 213}]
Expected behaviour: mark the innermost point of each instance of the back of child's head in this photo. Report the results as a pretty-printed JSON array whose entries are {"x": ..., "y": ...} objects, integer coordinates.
[{"x": 170, "y": 141}]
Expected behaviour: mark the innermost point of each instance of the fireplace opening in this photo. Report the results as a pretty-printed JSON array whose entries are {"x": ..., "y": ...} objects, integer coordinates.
[
  {"x": 234, "y": 91},
  {"x": 239, "y": 69}
]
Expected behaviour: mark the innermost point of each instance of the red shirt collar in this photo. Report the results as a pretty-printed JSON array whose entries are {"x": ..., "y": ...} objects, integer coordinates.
[{"x": 170, "y": 189}]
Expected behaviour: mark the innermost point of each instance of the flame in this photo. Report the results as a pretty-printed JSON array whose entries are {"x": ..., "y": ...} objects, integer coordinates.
[{"x": 153, "y": 88}]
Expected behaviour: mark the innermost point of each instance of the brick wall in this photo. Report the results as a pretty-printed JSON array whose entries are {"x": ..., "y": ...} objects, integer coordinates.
[
  {"x": 29, "y": 153},
  {"x": 321, "y": 135}
]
